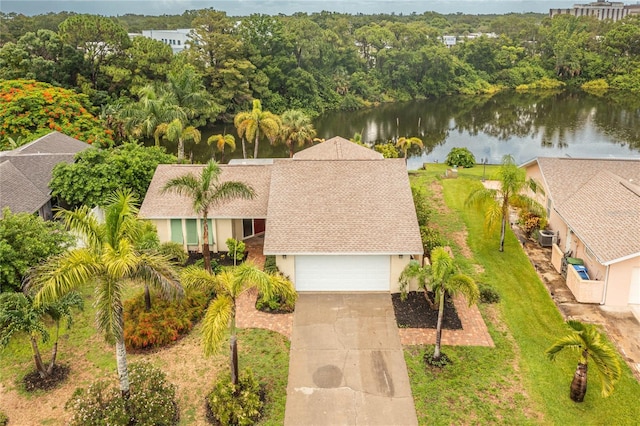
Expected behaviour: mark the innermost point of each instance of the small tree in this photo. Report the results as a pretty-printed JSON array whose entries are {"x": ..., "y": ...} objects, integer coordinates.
[
  {"x": 236, "y": 249},
  {"x": 589, "y": 342},
  {"x": 220, "y": 141},
  {"x": 460, "y": 157},
  {"x": 405, "y": 144},
  {"x": 18, "y": 314}
]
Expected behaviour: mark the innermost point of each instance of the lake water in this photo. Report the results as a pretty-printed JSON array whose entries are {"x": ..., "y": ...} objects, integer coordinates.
[{"x": 524, "y": 125}]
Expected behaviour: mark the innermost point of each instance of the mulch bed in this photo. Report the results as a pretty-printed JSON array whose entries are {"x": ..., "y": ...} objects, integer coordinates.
[
  {"x": 221, "y": 258},
  {"x": 32, "y": 381},
  {"x": 415, "y": 312}
]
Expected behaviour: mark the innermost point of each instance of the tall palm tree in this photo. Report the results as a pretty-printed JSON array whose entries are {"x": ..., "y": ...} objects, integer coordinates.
[
  {"x": 206, "y": 191},
  {"x": 220, "y": 317},
  {"x": 589, "y": 342},
  {"x": 442, "y": 277},
  {"x": 252, "y": 123},
  {"x": 176, "y": 131},
  {"x": 296, "y": 129},
  {"x": 405, "y": 144},
  {"x": 108, "y": 259},
  {"x": 495, "y": 202},
  {"x": 221, "y": 141}
]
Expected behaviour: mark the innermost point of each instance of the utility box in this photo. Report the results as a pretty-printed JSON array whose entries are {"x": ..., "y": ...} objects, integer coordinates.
[{"x": 547, "y": 238}]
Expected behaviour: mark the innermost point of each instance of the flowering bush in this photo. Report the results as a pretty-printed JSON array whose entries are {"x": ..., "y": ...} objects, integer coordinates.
[
  {"x": 239, "y": 405},
  {"x": 31, "y": 109},
  {"x": 152, "y": 401},
  {"x": 164, "y": 323}
]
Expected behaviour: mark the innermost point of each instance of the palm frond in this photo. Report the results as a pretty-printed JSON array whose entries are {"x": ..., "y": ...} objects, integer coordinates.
[
  {"x": 571, "y": 341},
  {"x": 156, "y": 270},
  {"x": 109, "y": 309},
  {"x": 464, "y": 285},
  {"x": 607, "y": 363},
  {"x": 228, "y": 191},
  {"x": 248, "y": 275},
  {"x": 83, "y": 223},
  {"x": 215, "y": 325},
  {"x": 193, "y": 277}
]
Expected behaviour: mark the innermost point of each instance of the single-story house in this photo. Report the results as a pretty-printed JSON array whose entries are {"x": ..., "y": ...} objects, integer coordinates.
[
  {"x": 593, "y": 206},
  {"x": 337, "y": 216},
  {"x": 25, "y": 172}
]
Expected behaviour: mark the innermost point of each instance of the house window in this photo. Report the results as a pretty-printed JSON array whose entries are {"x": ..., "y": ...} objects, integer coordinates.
[
  {"x": 176, "y": 231},
  {"x": 192, "y": 232},
  {"x": 247, "y": 227}
]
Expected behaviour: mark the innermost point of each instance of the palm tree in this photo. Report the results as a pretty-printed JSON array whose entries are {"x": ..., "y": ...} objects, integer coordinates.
[
  {"x": 251, "y": 123},
  {"x": 296, "y": 129},
  {"x": 108, "y": 259},
  {"x": 586, "y": 339},
  {"x": 220, "y": 317},
  {"x": 221, "y": 141},
  {"x": 206, "y": 191},
  {"x": 176, "y": 131},
  {"x": 495, "y": 202},
  {"x": 405, "y": 144},
  {"x": 442, "y": 277},
  {"x": 18, "y": 314}
]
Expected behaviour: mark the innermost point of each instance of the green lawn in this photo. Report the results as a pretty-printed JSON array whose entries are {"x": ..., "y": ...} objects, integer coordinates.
[{"x": 513, "y": 383}]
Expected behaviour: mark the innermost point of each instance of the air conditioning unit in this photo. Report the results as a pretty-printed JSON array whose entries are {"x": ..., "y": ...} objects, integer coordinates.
[{"x": 547, "y": 238}]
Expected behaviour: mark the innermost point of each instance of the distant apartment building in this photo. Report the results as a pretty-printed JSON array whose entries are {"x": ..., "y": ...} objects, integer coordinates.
[
  {"x": 600, "y": 9},
  {"x": 177, "y": 39}
]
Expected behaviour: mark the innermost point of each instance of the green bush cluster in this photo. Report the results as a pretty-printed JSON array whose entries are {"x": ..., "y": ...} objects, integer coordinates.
[
  {"x": 240, "y": 405},
  {"x": 236, "y": 249},
  {"x": 175, "y": 252},
  {"x": 270, "y": 266},
  {"x": 164, "y": 323},
  {"x": 460, "y": 157},
  {"x": 152, "y": 401},
  {"x": 277, "y": 303},
  {"x": 423, "y": 210},
  {"x": 4, "y": 419},
  {"x": 431, "y": 238},
  {"x": 429, "y": 360},
  {"x": 488, "y": 294},
  {"x": 388, "y": 150}
]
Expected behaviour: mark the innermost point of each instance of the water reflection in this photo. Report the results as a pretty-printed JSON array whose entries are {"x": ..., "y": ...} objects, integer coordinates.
[{"x": 524, "y": 125}]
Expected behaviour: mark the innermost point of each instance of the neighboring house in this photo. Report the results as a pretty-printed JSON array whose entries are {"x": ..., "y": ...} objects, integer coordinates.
[
  {"x": 337, "y": 216},
  {"x": 593, "y": 205},
  {"x": 177, "y": 39},
  {"x": 25, "y": 172}
]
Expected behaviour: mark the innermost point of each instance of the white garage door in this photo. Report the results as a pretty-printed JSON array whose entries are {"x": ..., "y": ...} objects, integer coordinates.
[{"x": 342, "y": 273}]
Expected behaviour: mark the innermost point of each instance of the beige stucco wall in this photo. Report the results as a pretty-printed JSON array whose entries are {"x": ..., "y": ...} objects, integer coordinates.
[
  {"x": 397, "y": 266},
  {"x": 164, "y": 229},
  {"x": 224, "y": 230},
  {"x": 619, "y": 282},
  {"x": 220, "y": 231},
  {"x": 286, "y": 265}
]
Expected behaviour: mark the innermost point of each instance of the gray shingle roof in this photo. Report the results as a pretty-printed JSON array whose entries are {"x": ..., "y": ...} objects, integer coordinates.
[
  {"x": 26, "y": 170},
  {"x": 157, "y": 205},
  {"x": 348, "y": 206},
  {"x": 600, "y": 201},
  {"x": 337, "y": 148}
]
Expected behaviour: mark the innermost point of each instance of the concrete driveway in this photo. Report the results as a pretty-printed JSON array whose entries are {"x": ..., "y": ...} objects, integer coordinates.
[{"x": 346, "y": 365}]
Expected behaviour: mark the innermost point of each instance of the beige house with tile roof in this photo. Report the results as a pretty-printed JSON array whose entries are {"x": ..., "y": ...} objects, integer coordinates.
[
  {"x": 338, "y": 216},
  {"x": 593, "y": 205},
  {"x": 25, "y": 172}
]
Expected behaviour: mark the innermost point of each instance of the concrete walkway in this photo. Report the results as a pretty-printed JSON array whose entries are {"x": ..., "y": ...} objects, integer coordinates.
[{"x": 346, "y": 363}]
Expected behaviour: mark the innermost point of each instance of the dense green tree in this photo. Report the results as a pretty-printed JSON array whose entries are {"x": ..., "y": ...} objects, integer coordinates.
[
  {"x": 19, "y": 316},
  {"x": 496, "y": 202},
  {"x": 206, "y": 191},
  {"x": 229, "y": 285},
  {"x": 31, "y": 109},
  {"x": 96, "y": 173},
  {"x": 110, "y": 262},
  {"x": 590, "y": 343},
  {"x": 25, "y": 241}
]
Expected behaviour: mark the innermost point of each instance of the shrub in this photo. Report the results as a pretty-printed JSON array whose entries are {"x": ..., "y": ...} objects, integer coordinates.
[
  {"x": 428, "y": 358},
  {"x": 278, "y": 303},
  {"x": 151, "y": 401},
  {"x": 175, "y": 252},
  {"x": 460, "y": 157},
  {"x": 164, "y": 323},
  {"x": 4, "y": 420},
  {"x": 236, "y": 249},
  {"x": 236, "y": 405},
  {"x": 431, "y": 239},
  {"x": 530, "y": 222},
  {"x": 423, "y": 211},
  {"x": 595, "y": 86},
  {"x": 388, "y": 150},
  {"x": 488, "y": 294},
  {"x": 545, "y": 83},
  {"x": 270, "y": 266}
]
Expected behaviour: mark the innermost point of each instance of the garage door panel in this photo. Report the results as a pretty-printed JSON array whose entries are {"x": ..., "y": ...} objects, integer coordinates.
[{"x": 342, "y": 273}]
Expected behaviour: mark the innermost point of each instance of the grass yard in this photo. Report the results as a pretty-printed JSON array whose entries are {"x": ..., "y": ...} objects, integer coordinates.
[
  {"x": 513, "y": 383},
  {"x": 84, "y": 349}
]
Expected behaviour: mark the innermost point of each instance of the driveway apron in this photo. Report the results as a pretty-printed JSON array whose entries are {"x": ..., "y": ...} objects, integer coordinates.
[{"x": 346, "y": 363}]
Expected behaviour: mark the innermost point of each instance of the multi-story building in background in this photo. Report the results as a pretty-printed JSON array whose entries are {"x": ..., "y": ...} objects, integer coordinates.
[{"x": 613, "y": 10}]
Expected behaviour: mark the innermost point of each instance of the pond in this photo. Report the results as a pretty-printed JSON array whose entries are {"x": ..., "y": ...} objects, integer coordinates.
[{"x": 525, "y": 125}]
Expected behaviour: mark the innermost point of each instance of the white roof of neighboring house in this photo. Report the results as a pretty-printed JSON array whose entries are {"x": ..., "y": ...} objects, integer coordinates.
[
  {"x": 335, "y": 197},
  {"x": 25, "y": 172},
  {"x": 599, "y": 199}
]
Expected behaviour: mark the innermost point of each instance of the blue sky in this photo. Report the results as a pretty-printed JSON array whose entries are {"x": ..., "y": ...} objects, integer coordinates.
[{"x": 273, "y": 7}]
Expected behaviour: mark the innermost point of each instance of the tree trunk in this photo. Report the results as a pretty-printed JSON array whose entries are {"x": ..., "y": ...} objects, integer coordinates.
[
  {"x": 147, "y": 298},
  {"x": 205, "y": 244},
  {"x": 502, "y": 232},
  {"x": 436, "y": 352},
  {"x": 180, "y": 149},
  {"x": 54, "y": 351},
  {"x": 244, "y": 149},
  {"x": 432, "y": 305},
  {"x": 233, "y": 343},
  {"x": 123, "y": 371},
  {"x": 255, "y": 148},
  {"x": 291, "y": 150},
  {"x": 579, "y": 383},
  {"x": 37, "y": 358}
]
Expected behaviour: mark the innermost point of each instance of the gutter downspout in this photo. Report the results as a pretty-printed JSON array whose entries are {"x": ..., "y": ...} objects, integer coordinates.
[{"x": 606, "y": 286}]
